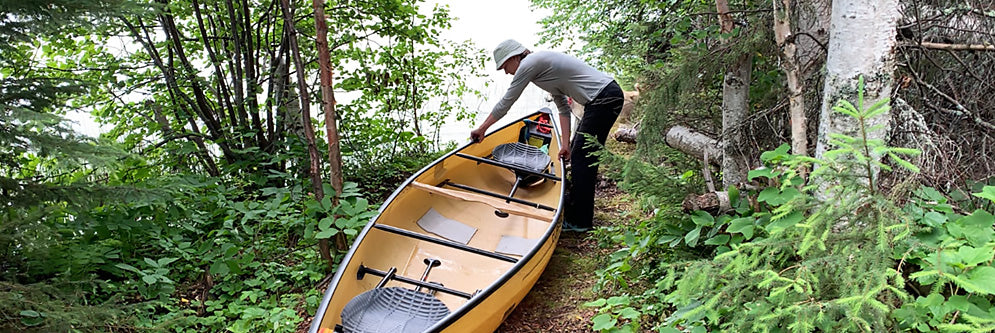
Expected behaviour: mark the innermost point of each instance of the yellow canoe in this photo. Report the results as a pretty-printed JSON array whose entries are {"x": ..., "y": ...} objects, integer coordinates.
[{"x": 481, "y": 222}]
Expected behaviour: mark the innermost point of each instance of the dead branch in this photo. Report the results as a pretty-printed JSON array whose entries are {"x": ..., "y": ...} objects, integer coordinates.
[{"x": 952, "y": 47}]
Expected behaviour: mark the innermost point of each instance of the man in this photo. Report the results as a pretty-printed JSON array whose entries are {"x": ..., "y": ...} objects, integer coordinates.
[{"x": 563, "y": 76}]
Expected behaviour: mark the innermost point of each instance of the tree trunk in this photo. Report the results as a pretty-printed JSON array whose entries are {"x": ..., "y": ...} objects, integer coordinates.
[
  {"x": 315, "y": 166},
  {"x": 862, "y": 42},
  {"x": 735, "y": 104},
  {"x": 328, "y": 104},
  {"x": 694, "y": 144},
  {"x": 328, "y": 97},
  {"x": 789, "y": 63}
]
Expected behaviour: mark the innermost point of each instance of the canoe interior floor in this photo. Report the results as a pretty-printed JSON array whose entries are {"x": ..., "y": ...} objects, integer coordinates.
[{"x": 461, "y": 270}]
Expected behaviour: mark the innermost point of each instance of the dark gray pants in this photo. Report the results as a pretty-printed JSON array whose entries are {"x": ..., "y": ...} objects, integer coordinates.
[{"x": 599, "y": 117}]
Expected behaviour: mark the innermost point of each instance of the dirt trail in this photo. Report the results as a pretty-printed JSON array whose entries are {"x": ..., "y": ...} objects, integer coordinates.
[{"x": 555, "y": 303}]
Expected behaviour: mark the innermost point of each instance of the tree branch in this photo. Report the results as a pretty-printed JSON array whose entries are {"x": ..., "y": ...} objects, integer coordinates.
[{"x": 952, "y": 47}]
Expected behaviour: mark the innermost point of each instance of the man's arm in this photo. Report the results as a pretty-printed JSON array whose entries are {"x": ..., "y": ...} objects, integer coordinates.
[
  {"x": 477, "y": 135},
  {"x": 565, "y": 136}
]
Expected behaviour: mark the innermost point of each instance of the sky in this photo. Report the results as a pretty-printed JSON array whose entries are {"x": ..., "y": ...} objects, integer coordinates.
[{"x": 486, "y": 23}]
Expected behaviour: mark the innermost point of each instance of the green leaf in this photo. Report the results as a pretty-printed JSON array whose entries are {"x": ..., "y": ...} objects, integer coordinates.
[
  {"x": 718, "y": 240},
  {"x": 149, "y": 279},
  {"x": 162, "y": 262},
  {"x": 903, "y": 163},
  {"x": 931, "y": 194},
  {"x": 972, "y": 256},
  {"x": 596, "y": 303},
  {"x": 603, "y": 321},
  {"x": 959, "y": 302},
  {"x": 30, "y": 313},
  {"x": 977, "y": 227},
  {"x": 785, "y": 222},
  {"x": 934, "y": 219},
  {"x": 127, "y": 267},
  {"x": 770, "y": 196},
  {"x": 743, "y": 225},
  {"x": 988, "y": 192},
  {"x": 219, "y": 267},
  {"x": 788, "y": 194},
  {"x": 152, "y": 263},
  {"x": 762, "y": 172},
  {"x": 702, "y": 218},
  {"x": 327, "y": 233},
  {"x": 629, "y": 313},
  {"x": 326, "y": 222},
  {"x": 692, "y": 237},
  {"x": 982, "y": 280},
  {"x": 733, "y": 194},
  {"x": 617, "y": 300}
]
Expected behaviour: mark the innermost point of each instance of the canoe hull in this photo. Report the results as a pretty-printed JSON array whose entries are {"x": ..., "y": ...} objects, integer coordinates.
[
  {"x": 495, "y": 308},
  {"x": 468, "y": 193}
]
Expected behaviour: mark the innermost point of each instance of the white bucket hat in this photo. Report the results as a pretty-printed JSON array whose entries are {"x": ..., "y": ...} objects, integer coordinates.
[{"x": 506, "y": 50}]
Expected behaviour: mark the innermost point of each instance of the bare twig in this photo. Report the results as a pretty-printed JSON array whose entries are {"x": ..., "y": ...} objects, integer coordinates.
[{"x": 952, "y": 47}]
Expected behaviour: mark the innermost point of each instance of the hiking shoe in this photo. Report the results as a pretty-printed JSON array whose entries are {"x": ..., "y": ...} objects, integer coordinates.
[{"x": 572, "y": 228}]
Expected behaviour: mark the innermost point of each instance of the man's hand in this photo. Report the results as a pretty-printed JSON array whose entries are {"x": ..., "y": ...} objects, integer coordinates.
[
  {"x": 477, "y": 135},
  {"x": 565, "y": 154}
]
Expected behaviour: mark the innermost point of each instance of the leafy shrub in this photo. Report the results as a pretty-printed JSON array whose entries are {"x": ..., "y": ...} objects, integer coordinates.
[{"x": 832, "y": 253}]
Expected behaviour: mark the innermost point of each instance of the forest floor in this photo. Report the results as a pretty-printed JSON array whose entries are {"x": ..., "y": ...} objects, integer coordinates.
[{"x": 556, "y": 302}]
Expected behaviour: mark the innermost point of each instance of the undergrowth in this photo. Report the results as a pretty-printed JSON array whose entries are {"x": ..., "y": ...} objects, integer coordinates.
[{"x": 826, "y": 252}]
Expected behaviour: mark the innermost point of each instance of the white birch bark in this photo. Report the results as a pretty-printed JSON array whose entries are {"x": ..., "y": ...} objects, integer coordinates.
[
  {"x": 862, "y": 42},
  {"x": 789, "y": 64},
  {"x": 694, "y": 144},
  {"x": 735, "y": 106}
]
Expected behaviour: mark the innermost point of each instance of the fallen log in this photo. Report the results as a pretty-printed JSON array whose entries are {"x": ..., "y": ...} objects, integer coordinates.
[
  {"x": 695, "y": 144},
  {"x": 714, "y": 203},
  {"x": 626, "y": 134}
]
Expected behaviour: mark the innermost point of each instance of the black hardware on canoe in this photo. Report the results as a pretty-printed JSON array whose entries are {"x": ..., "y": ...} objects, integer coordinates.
[
  {"x": 499, "y": 196},
  {"x": 455, "y": 245},
  {"x": 429, "y": 264},
  {"x": 509, "y": 166},
  {"x": 387, "y": 277},
  {"x": 526, "y": 161},
  {"x": 363, "y": 270}
]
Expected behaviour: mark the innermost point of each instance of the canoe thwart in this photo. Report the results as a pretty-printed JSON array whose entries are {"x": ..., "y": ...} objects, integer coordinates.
[
  {"x": 509, "y": 166},
  {"x": 363, "y": 270},
  {"x": 497, "y": 195},
  {"x": 497, "y": 201},
  {"x": 443, "y": 242}
]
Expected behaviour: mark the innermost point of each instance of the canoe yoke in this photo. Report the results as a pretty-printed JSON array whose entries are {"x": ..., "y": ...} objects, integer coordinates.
[{"x": 396, "y": 309}]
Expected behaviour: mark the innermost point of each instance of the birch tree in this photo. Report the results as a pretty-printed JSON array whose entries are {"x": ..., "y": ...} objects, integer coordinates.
[
  {"x": 735, "y": 105},
  {"x": 862, "y": 42},
  {"x": 789, "y": 63}
]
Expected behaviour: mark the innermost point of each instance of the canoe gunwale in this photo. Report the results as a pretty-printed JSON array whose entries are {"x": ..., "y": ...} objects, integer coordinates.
[{"x": 478, "y": 296}]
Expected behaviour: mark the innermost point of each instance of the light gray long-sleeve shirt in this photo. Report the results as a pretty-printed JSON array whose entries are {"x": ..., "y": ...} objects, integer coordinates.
[{"x": 559, "y": 74}]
